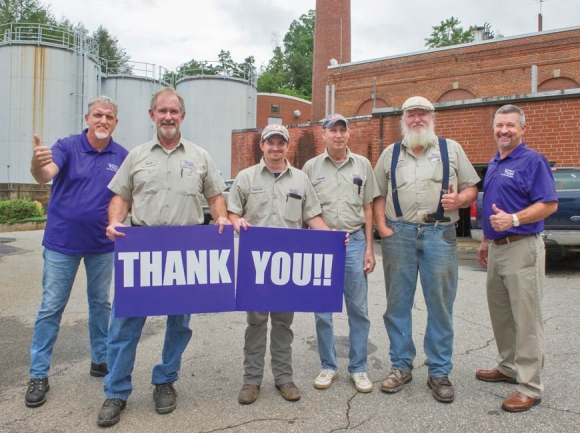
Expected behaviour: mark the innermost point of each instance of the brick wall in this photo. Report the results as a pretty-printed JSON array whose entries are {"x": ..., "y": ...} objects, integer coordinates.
[
  {"x": 488, "y": 69},
  {"x": 287, "y": 107},
  {"x": 554, "y": 130}
]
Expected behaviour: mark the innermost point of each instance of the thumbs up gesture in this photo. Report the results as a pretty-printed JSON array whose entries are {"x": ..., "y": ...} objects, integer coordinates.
[
  {"x": 450, "y": 201},
  {"x": 41, "y": 155},
  {"x": 500, "y": 221}
]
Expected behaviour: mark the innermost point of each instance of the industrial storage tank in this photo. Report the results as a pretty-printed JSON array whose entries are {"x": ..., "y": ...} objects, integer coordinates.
[
  {"x": 215, "y": 105},
  {"x": 48, "y": 77},
  {"x": 133, "y": 95}
]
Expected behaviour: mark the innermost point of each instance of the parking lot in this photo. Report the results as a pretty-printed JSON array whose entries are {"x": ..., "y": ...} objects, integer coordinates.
[{"x": 212, "y": 365}]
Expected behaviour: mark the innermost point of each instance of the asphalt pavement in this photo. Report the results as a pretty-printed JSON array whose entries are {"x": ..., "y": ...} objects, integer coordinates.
[{"x": 211, "y": 374}]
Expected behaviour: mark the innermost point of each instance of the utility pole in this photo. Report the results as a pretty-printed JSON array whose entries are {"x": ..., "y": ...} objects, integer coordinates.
[{"x": 540, "y": 16}]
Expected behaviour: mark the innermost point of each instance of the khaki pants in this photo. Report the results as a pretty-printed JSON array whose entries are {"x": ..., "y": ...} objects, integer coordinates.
[
  {"x": 515, "y": 285},
  {"x": 281, "y": 338}
]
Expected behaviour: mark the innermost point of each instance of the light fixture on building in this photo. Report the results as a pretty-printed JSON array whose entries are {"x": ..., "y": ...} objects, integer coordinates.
[
  {"x": 297, "y": 113},
  {"x": 333, "y": 62}
]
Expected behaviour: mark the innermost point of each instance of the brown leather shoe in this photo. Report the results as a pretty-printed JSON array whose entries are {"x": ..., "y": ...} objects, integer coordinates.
[
  {"x": 519, "y": 402},
  {"x": 289, "y": 391},
  {"x": 442, "y": 388},
  {"x": 248, "y": 393},
  {"x": 494, "y": 375}
]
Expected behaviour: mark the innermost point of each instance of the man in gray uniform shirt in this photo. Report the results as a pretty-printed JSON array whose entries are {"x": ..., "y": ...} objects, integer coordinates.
[
  {"x": 271, "y": 194},
  {"x": 346, "y": 186}
]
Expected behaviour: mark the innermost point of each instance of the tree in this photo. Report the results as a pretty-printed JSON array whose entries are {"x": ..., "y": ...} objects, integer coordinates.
[
  {"x": 24, "y": 11},
  {"x": 113, "y": 58},
  {"x": 449, "y": 32},
  {"x": 289, "y": 71},
  {"x": 225, "y": 65}
]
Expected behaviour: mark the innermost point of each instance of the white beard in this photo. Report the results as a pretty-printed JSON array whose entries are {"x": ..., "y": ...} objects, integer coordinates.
[
  {"x": 422, "y": 138},
  {"x": 102, "y": 135}
]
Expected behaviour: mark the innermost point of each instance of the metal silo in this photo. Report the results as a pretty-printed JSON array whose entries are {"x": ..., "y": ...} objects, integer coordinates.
[
  {"x": 48, "y": 76},
  {"x": 215, "y": 105},
  {"x": 133, "y": 95}
]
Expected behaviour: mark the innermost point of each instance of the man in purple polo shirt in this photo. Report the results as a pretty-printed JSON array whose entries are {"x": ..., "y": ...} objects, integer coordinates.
[
  {"x": 80, "y": 166},
  {"x": 519, "y": 192}
]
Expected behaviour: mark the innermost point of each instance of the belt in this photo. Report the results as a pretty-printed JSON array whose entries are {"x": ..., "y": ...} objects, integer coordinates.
[{"x": 509, "y": 239}]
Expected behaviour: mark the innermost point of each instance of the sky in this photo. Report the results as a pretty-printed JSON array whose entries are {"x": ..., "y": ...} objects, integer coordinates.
[{"x": 169, "y": 33}]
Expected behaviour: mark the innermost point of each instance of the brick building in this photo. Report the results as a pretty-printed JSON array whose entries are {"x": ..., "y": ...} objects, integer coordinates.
[{"x": 281, "y": 109}]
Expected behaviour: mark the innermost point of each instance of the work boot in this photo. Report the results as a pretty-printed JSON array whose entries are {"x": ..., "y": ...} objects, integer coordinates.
[
  {"x": 442, "y": 388},
  {"x": 98, "y": 370},
  {"x": 36, "y": 392},
  {"x": 110, "y": 412},
  {"x": 165, "y": 397},
  {"x": 248, "y": 393},
  {"x": 289, "y": 391},
  {"x": 395, "y": 380}
]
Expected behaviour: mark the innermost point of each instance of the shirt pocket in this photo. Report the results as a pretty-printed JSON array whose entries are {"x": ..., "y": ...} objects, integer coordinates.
[
  {"x": 293, "y": 206},
  {"x": 190, "y": 182},
  {"x": 147, "y": 180}
]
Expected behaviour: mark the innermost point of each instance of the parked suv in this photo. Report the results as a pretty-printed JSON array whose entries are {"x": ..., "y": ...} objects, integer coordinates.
[{"x": 206, "y": 213}]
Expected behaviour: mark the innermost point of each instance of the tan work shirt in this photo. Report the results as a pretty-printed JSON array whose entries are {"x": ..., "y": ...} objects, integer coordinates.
[
  {"x": 166, "y": 187},
  {"x": 267, "y": 201},
  {"x": 419, "y": 180},
  {"x": 342, "y": 189}
]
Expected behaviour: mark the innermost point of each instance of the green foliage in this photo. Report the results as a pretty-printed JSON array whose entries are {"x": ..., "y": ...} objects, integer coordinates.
[
  {"x": 24, "y": 11},
  {"x": 114, "y": 59},
  {"x": 289, "y": 71},
  {"x": 449, "y": 32},
  {"x": 225, "y": 65},
  {"x": 13, "y": 211}
]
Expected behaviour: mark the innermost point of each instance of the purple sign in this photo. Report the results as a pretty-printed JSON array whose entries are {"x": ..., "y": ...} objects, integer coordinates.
[
  {"x": 290, "y": 270},
  {"x": 174, "y": 270}
]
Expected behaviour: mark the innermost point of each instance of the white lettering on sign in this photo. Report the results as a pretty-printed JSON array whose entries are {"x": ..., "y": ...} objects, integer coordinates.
[
  {"x": 176, "y": 272},
  {"x": 301, "y": 268}
]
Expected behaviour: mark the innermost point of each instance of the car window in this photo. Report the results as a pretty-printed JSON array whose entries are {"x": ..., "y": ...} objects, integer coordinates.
[
  {"x": 567, "y": 179},
  {"x": 229, "y": 184}
]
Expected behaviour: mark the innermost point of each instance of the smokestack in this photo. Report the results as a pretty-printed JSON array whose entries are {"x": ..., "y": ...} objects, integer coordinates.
[{"x": 331, "y": 41}]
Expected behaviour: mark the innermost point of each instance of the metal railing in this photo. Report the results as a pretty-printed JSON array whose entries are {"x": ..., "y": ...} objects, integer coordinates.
[
  {"x": 53, "y": 36},
  {"x": 209, "y": 68}
]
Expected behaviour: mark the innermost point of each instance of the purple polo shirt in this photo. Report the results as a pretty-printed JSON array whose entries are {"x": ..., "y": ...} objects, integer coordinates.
[
  {"x": 519, "y": 180},
  {"x": 77, "y": 210}
]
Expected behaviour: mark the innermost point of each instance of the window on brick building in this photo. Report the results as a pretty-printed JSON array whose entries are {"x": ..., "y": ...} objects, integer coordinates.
[{"x": 275, "y": 108}]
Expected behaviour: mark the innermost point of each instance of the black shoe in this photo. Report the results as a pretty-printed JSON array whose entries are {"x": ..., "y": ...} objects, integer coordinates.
[
  {"x": 165, "y": 397},
  {"x": 36, "y": 392},
  {"x": 110, "y": 412},
  {"x": 99, "y": 370}
]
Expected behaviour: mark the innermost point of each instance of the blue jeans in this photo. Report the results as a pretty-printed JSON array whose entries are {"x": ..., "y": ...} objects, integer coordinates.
[
  {"x": 124, "y": 334},
  {"x": 355, "y": 296},
  {"x": 431, "y": 252},
  {"x": 57, "y": 280}
]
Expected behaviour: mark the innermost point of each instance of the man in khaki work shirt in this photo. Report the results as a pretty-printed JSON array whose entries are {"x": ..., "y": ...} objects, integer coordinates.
[
  {"x": 271, "y": 194},
  {"x": 416, "y": 220},
  {"x": 346, "y": 186},
  {"x": 162, "y": 182}
]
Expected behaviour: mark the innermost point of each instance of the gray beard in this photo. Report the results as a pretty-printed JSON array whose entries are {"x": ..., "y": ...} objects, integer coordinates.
[
  {"x": 102, "y": 135},
  {"x": 423, "y": 138}
]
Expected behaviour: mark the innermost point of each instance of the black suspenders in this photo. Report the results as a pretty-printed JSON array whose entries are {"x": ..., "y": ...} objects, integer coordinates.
[{"x": 439, "y": 214}]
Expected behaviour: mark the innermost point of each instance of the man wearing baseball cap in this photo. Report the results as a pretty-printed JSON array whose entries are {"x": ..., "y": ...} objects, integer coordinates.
[
  {"x": 271, "y": 194},
  {"x": 346, "y": 186},
  {"x": 426, "y": 180}
]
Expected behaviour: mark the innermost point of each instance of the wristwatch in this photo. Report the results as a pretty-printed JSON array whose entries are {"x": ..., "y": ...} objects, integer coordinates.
[{"x": 516, "y": 220}]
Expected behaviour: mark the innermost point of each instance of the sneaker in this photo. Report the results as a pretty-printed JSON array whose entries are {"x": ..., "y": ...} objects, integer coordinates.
[
  {"x": 325, "y": 378},
  {"x": 36, "y": 392},
  {"x": 395, "y": 380},
  {"x": 289, "y": 391},
  {"x": 361, "y": 382},
  {"x": 110, "y": 412},
  {"x": 98, "y": 370},
  {"x": 442, "y": 388},
  {"x": 248, "y": 393},
  {"x": 165, "y": 397}
]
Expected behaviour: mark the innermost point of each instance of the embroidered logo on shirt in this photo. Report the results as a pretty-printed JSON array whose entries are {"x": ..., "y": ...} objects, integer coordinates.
[
  {"x": 293, "y": 191},
  {"x": 113, "y": 167},
  {"x": 149, "y": 163},
  {"x": 434, "y": 157},
  {"x": 320, "y": 179},
  {"x": 187, "y": 164},
  {"x": 508, "y": 173},
  {"x": 257, "y": 189}
]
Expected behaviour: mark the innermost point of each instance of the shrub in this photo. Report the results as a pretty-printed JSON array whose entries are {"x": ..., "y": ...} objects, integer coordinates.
[{"x": 12, "y": 211}]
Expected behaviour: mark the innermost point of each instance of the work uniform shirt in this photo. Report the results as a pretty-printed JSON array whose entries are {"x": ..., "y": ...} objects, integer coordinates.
[
  {"x": 166, "y": 187},
  {"x": 514, "y": 183},
  {"x": 343, "y": 189},
  {"x": 419, "y": 180},
  {"x": 266, "y": 201},
  {"x": 79, "y": 199}
]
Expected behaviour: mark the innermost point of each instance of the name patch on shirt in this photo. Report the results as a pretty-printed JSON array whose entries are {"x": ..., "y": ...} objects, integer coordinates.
[
  {"x": 149, "y": 163},
  {"x": 188, "y": 164},
  {"x": 508, "y": 173},
  {"x": 113, "y": 167},
  {"x": 257, "y": 189},
  {"x": 434, "y": 157},
  {"x": 320, "y": 179}
]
